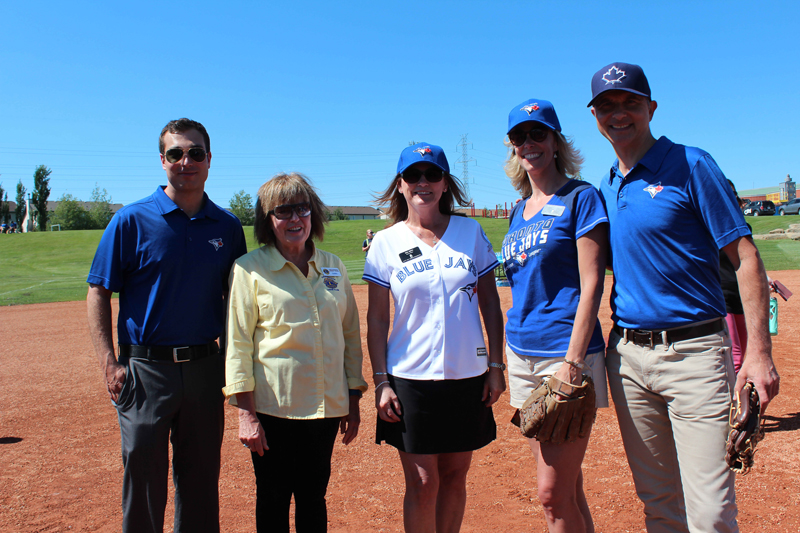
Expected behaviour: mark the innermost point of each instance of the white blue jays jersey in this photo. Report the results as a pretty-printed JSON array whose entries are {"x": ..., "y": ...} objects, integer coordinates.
[{"x": 436, "y": 332}]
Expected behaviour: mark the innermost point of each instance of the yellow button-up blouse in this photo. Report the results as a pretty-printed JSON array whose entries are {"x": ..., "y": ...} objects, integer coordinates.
[{"x": 293, "y": 340}]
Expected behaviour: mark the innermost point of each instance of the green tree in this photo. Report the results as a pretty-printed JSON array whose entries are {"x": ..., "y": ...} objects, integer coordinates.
[
  {"x": 71, "y": 214},
  {"x": 242, "y": 206},
  {"x": 337, "y": 215},
  {"x": 41, "y": 192},
  {"x": 5, "y": 212},
  {"x": 100, "y": 213},
  {"x": 20, "y": 204},
  {"x": 3, "y": 207}
]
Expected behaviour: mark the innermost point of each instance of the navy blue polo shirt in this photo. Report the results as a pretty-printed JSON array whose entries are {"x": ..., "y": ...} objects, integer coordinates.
[
  {"x": 668, "y": 219},
  {"x": 171, "y": 272}
]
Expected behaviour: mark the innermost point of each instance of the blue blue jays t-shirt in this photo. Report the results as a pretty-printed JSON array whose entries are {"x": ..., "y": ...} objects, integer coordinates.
[
  {"x": 540, "y": 257},
  {"x": 171, "y": 272},
  {"x": 669, "y": 217}
]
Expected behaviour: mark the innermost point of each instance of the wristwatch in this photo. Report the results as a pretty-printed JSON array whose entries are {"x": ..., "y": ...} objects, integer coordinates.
[{"x": 501, "y": 366}]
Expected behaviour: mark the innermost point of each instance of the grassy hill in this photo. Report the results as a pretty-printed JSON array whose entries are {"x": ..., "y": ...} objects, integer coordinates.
[{"x": 52, "y": 267}]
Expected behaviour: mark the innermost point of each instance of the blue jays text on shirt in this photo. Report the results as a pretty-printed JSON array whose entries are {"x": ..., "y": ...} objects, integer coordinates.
[
  {"x": 427, "y": 264},
  {"x": 526, "y": 238}
]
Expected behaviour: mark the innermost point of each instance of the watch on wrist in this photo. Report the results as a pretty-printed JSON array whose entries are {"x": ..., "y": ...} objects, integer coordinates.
[{"x": 501, "y": 366}]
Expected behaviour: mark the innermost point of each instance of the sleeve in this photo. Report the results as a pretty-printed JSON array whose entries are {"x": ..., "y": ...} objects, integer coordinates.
[
  {"x": 589, "y": 211},
  {"x": 376, "y": 268},
  {"x": 353, "y": 355},
  {"x": 242, "y": 321},
  {"x": 108, "y": 264},
  {"x": 714, "y": 202},
  {"x": 485, "y": 258}
]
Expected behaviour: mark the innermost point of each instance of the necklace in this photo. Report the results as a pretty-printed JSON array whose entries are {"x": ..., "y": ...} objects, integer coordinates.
[{"x": 418, "y": 233}]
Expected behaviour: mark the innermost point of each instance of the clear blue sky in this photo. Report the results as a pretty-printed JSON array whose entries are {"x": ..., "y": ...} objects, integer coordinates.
[{"x": 337, "y": 89}]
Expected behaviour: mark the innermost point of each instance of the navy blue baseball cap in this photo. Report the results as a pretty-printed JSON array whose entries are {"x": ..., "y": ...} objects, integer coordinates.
[
  {"x": 534, "y": 110},
  {"x": 619, "y": 77},
  {"x": 423, "y": 153}
]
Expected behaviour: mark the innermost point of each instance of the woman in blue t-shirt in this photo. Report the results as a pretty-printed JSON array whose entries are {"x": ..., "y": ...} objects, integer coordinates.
[{"x": 555, "y": 257}]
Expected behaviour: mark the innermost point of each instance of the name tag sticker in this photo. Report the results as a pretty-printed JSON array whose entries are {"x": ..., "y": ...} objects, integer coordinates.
[
  {"x": 481, "y": 352},
  {"x": 331, "y": 272},
  {"x": 553, "y": 210},
  {"x": 408, "y": 255}
]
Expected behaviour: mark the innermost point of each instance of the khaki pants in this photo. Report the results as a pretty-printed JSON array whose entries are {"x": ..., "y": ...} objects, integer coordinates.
[{"x": 673, "y": 404}]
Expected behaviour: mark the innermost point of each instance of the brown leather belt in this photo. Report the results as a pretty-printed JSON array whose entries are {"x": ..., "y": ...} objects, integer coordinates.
[
  {"x": 176, "y": 354},
  {"x": 647, "y": 337}
]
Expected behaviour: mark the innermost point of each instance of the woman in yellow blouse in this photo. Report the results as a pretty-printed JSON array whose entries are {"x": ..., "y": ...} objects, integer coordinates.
[{"x": 294, "y": 355}]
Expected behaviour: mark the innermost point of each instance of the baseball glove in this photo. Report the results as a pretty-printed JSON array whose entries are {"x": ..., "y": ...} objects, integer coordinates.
[
  {"x": 557, "y": 412},
  {"x": 746, "y": 431}
]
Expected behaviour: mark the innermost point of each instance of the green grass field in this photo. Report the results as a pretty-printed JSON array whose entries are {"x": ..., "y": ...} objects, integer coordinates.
[{"x": 52, "y": 267}]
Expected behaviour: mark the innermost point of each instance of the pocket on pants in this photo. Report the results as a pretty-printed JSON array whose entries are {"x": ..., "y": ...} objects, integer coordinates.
[
  {"x": 125, "y": 398},
  {"x": 707, "y": 345}
]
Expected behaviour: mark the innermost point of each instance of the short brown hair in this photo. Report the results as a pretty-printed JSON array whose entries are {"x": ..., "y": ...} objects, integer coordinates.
[
  {"x": 183, "y": 125},
  {"x": 282, "y": 189},
  {"x": 398, "y": 208}
]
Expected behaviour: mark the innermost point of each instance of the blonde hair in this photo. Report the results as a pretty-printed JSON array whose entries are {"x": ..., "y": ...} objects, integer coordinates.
[
  {"x": 282, "y": 189},
  {"x": 398, "y": 207},
  {"x": 568, "y": 163}
]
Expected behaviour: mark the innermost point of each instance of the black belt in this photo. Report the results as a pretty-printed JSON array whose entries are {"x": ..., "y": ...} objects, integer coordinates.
[
  {"x": 176, "y": 354},
  {"x": 647, "y": 337}
]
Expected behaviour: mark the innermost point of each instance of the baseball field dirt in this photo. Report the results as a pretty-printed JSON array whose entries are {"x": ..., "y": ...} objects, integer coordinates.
[{"x": 60, "y": 466}]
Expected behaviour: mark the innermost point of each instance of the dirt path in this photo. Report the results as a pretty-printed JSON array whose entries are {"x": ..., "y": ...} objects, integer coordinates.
[{"x": 60, "y": 467}]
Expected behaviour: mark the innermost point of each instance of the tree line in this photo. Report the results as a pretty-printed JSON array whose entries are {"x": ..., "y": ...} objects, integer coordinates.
[{"x": 242, "y": 206}]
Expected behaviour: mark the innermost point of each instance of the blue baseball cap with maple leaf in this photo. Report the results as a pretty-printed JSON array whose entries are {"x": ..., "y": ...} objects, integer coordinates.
[
  {"x": 423, "y": 153},
  {"x": 619, "y": 77},
  {"x": 534, "y": 110}
]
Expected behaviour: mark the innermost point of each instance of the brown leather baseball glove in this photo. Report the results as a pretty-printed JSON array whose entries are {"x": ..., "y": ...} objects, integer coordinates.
[
  {"x": 557, "y": 411},
  {"x": 746, "y": 431}
]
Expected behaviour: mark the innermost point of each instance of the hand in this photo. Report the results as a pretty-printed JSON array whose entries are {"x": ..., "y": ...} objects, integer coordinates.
[
  {"x": 493, "y": 386},
  {"x": 569, "y": 374},
  {"x": 349, "y": 424},
  {"x": 388, "y": 404},
  {"x": 760, "y": 370},
  {"x": 251, "y": 434},
  {"x": 115, "y": 379}
]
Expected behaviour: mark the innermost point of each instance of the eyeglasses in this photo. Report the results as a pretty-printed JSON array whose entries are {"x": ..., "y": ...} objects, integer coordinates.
[
  {"x": 413, "y": 175},
  {"x": 284, "y": 212},
  {"x": 518, "y": 137},
  {"x": 173, "y": 155}
]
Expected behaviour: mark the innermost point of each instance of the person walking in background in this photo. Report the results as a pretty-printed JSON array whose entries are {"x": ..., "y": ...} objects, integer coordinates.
[
  {"x": 435, "y": 383},
  {"x": 168, "y": 257},
  {"x": 294, "y": 356},
  {"x": 367, "y": 242},
  {"x": 554, "y": 256},
  {"x": 669, "y": 366}
]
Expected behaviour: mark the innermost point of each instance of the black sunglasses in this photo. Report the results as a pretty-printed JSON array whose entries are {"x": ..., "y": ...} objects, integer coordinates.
[
  {"x": 518, "y": 137},
  {"x": 173, "y": 155},
  {"x": 284, "y": 212},
  {"x": 413, "y": 175}
]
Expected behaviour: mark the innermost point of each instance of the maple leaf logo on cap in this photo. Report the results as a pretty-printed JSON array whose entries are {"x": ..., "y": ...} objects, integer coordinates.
[
  {"x": 614, "y": 75},
  {"x": 529, "y": 108},
  {"x": 422, "y": 150}
]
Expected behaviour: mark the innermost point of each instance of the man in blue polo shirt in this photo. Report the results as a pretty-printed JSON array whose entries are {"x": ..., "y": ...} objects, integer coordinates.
[
  {"x": 168, "y": 256},
  {"x": 670, "y": 371}
]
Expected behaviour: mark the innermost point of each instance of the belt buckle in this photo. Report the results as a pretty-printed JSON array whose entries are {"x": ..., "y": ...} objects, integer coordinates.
[{"x": 175, "y": 354}]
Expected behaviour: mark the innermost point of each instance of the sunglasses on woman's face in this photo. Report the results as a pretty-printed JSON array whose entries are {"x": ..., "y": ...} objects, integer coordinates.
[
  {"x": 518, "y": 137},
  {"x": 284, "y": 212},
  {"x": 413, "y": 175},
  {"x": 173, "y": 155}
]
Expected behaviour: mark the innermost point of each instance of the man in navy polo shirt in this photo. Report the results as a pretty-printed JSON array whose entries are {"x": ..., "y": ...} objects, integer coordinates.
[
  {"x": 168, "y": 256},
  {"x": 670, "y": 371}
]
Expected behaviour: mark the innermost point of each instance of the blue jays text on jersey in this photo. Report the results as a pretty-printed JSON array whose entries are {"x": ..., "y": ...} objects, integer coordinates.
[
  {"x": 516, "y": 246},
  {"x": 426, "y": 264}
]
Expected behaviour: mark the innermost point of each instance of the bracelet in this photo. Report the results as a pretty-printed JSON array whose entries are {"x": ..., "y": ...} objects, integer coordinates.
[
  {"x": 579, "y": 366},
  {"x": 380, "y": 384},
  {"x": 380, "y": 373}
]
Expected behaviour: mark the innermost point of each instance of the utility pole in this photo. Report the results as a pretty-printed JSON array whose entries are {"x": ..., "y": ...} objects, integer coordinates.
[{"x": 464, "y": 159}]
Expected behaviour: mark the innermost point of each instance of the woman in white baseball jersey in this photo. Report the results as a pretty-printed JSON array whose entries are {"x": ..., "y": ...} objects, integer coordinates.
[
  {"x": 435, "y": 383},
  {"x": 554, "y": 256}
]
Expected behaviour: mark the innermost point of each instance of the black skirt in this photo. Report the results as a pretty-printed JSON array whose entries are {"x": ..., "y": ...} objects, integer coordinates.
[{"x": 445, "y": 416}]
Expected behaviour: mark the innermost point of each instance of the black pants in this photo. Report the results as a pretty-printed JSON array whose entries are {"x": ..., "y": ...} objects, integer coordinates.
[{"x": 297, "y": 463}]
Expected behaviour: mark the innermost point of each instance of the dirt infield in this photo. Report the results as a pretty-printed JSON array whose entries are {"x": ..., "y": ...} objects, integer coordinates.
[{"x": 60, "y": 467}]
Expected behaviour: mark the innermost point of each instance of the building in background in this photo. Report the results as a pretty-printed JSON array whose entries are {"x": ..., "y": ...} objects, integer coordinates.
[
  {"x": 781, "y": 193},
  {"x": 357, "y": 212}
]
